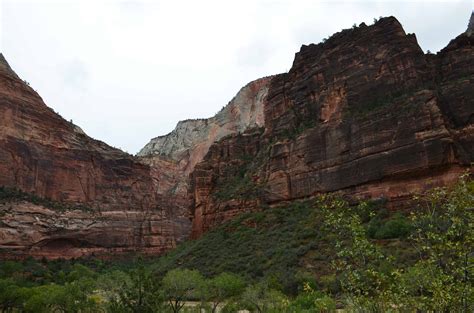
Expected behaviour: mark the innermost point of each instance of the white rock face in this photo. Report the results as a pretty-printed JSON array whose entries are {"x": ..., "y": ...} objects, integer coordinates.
[{"x": 191, "y": 139}]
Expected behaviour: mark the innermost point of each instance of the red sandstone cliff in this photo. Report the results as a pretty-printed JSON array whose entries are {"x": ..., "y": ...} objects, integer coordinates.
[
  {"x": 172, "y": 157},
  {"x": 133, "y": 203},
  {"x": 42, "y": 154},
  {"x": 366, "y": 113}
]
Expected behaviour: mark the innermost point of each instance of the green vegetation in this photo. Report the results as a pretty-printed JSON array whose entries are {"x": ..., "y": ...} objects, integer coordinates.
[
  {"x": 180, "y": 285},
  {"x": 383, "y": 227},
  {"x": 272, "y": 243},
  {"x": 8, "y": 194},
  {"x": 310, "y": 256},
  {"x": 225, "y": 286},
  {"x": 238, "y": 186},
  {"x": 237, "y": 182}
]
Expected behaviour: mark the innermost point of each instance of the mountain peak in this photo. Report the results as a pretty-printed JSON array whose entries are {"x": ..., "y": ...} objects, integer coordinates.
[
  {"x": 470, "y": 26},
  {"x": 5, "y": 67}
]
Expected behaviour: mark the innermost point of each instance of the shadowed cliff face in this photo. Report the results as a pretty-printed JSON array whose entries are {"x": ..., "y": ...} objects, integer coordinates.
[
  {"x": 128, "y": 203},
  {"x": 42, "y": 154},
  {"x": 366, "y": 113}
]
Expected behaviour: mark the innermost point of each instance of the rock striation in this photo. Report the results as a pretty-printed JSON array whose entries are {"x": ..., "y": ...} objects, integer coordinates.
[
  {"x": 126, "y": 204},
  {"x": 42, "y": 154},
  {"x": 365, "y": 113},
  {"x": 189, "y": 142},
  {"x": 173, "y": 157}
]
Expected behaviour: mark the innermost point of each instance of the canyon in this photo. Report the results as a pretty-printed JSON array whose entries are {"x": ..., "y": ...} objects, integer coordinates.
[{"x": 365, "y": 113}]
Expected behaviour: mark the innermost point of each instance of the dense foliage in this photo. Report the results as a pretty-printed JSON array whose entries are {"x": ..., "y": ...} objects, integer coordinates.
[{"x": 311, "y": 256}]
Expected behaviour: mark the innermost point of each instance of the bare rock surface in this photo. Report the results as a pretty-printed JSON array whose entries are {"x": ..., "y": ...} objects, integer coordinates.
[
  {"x": 189, "y": 142},
  {"x": 134, "y": 204},
  {"x": 42, "y": 154},
  {"x": 365, "y": 113}
]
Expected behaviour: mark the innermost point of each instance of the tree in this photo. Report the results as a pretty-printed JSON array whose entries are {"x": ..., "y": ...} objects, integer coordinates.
[
  {"x": 261, "y": 298},
  {"x": 80, "y": 271},
  {"x": 312, "y": 301},
  {"x": 180, "y": 285},
  {"x": 364, "y": 271},
  {"x": 12, "y": 296},
  {"x": 222, "y": 287},
  {"x": 111, "y": 284},
  {"x": 442, "y": 232},
  {"x": 72, "y": 297},
  {"x": 137, "y": 293},
  {"x": 444, "y": 238}
]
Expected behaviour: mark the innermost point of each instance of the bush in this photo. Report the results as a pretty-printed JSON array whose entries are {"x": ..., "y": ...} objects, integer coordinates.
[
  {"x": 396, "y": 226},
  {"x": 312, "y": 301}
]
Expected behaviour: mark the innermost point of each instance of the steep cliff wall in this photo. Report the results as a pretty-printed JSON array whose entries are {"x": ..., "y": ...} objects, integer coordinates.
[
  {"x": 126, "y": 203},
  {"x": 189, "y": 142},
  {"x": 173, "y": 157},
  {"x": 42, "y": 154},
  {"x": 366, "y": 113}
]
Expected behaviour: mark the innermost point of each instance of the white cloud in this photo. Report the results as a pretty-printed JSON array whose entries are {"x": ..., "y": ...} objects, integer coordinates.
[{"x": 126, "y": 71}]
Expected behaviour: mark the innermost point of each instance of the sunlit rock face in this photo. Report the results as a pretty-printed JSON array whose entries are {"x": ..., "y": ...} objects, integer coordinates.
[{"x": 365, "y": 113}]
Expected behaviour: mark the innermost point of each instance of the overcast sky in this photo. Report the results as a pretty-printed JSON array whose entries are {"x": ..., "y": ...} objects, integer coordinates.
[{"x": 127, "y": 71}]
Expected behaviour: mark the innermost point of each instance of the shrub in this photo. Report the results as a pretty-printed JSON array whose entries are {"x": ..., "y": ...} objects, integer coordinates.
[{"x": 396, "y": 226}]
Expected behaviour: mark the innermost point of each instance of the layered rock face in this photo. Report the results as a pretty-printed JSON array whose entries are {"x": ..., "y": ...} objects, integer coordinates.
[
  {"x": 366, "y": 113},
  {"x": 189, "y": 142},
  {"x": 225, "y": 183},
  {"x": 42, "y": 154},
  {"x": 128, "y": 204},
  {"x": 173, "y": 157}
]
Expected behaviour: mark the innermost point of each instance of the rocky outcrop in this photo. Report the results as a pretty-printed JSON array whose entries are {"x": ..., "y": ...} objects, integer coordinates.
[
  {"x": 189, "y": 142},
  {"x": 127, "y": 203},
  {"x": 42, "y": 154},
  {"x": 225, "y": 183},
  {"x": 470, "y": 26},
  {"x": 173, "y": 157},
  {"x": 366, "y": 113},
  {"x": 39, "y": 231}
]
